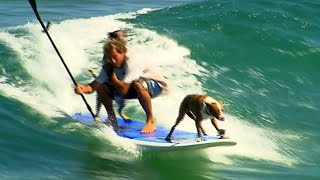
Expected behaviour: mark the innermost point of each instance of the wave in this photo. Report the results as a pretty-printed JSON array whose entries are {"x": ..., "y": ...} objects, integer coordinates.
[{"x": 49, "y": 89}]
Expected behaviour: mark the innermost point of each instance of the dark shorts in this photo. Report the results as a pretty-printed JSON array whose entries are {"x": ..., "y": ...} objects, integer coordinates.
[{"x": 152, "y": 86}]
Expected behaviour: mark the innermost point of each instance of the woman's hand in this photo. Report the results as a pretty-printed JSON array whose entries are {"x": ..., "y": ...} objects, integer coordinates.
[
  {"x": 80, "y": 89},
  {"x": 113, "y": 77}
]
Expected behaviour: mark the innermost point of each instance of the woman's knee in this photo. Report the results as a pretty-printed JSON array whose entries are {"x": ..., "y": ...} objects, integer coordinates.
[
  {"x": 103, "y": 91},
  {"x": 137, "y": 86}
]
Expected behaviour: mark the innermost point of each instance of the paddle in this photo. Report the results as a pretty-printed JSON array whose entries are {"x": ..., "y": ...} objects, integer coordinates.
[{"x": 34, "y": 7}]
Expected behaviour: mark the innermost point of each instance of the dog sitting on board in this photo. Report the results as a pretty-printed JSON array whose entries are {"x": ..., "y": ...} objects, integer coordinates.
[{"x": 199, "y": 107}]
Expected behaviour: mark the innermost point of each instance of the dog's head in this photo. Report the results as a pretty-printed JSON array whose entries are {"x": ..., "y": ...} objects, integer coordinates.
[{"x": 216, "y": 109}]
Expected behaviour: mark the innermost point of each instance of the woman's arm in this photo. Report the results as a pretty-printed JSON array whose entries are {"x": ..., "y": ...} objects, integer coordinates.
[
  {"x": 122, "y": 87},
  {"x": 89, "y": 88}
]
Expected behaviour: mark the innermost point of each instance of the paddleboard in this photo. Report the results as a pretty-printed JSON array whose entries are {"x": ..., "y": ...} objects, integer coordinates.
[{"x": 182, "y": 140}]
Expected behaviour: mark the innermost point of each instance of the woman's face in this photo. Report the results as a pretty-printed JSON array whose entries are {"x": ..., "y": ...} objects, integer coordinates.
[{"x": 116, "y": 59}]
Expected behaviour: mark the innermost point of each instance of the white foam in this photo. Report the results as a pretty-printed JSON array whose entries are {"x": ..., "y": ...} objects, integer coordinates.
[
  {"x": 253, "y": 142},
  {"x": 121, "y": 143}
]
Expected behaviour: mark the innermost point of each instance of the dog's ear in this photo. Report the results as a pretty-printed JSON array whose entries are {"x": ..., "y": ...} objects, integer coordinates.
[
  {"x": 208, "y": 104},
  {"x": 221, "y": 103}
]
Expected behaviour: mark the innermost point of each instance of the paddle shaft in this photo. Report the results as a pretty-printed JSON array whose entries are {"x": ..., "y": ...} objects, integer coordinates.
[{"x": 34, "y": 7}]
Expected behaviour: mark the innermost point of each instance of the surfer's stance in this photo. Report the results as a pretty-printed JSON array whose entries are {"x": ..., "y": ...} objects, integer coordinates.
[
  {"x": 120, "y": 35},
  {"x": 199, "y": 107},
  {"x": 127, "y": 78}
]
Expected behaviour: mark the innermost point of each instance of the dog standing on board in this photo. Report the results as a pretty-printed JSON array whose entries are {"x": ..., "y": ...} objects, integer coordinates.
[{"x": 199, "y": 107}]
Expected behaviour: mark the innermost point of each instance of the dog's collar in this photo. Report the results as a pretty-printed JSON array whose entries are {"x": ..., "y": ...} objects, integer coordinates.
[
  {"x": 205, "y": 112},
  {"x": 205, "y": 109}
]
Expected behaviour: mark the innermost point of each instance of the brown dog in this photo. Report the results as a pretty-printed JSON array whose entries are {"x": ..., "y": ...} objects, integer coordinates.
[{"x": 199, "y": 107}]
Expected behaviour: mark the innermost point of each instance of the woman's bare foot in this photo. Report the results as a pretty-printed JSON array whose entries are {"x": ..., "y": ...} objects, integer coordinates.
[
  {"x": 125, "y": 117},
  {"x": 150, "y": 127}
]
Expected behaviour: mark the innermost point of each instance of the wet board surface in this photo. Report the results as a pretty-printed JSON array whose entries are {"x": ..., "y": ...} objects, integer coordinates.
[{"x": 182, "y": 140}]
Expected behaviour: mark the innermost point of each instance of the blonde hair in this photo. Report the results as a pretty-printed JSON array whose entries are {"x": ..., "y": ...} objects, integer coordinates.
[
  {"x": 116, "y": 44},
  {"x": 119, "y": 35}
]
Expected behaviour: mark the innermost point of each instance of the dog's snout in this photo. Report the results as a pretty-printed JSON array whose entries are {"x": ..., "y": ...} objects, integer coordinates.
[{"x": 221, "y": 118}]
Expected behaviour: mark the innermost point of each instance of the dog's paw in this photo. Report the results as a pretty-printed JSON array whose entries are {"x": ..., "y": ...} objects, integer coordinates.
[
  {"x": 168, "y": 138},
  {"x": 221, "y": 132},
  {"x": 198, "y": 139}
]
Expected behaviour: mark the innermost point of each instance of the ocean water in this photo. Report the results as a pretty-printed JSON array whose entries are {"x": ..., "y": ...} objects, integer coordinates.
[{"x": 261, "y": 58}]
